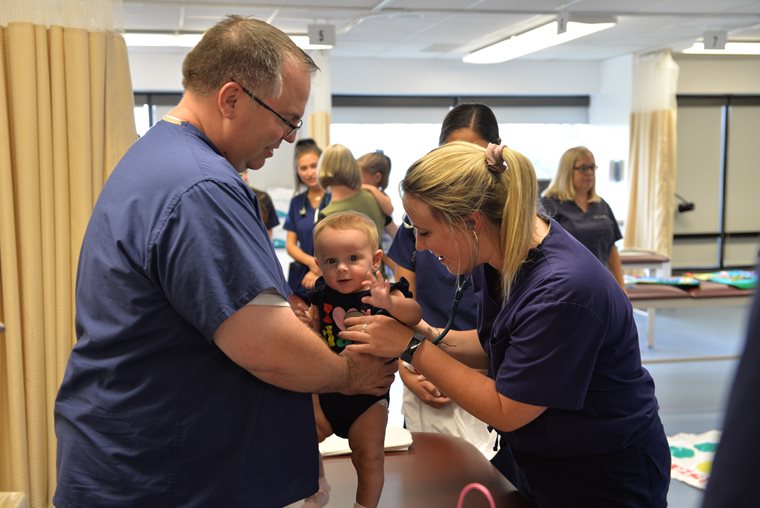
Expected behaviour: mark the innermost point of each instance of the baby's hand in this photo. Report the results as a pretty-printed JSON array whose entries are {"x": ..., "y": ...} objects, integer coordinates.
[
  {"x": 306, "y": 316},
  {"x": 380, "y": 291}
]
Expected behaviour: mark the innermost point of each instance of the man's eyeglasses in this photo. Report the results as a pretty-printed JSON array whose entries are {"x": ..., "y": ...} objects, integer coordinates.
[
  {"x": 585, "y": 167},
  {"x": 292, "y": 127}
]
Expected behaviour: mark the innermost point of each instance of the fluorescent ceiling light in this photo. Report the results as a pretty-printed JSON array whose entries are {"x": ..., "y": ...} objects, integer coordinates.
[
  {"x": 157, "y": 40},
  {"x": 151, "y": 40},
  {"x": 534, "y": 40},
  {"x": 732, "y": 48}
]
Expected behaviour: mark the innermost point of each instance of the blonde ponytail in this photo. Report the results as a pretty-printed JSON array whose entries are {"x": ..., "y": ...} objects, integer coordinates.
[{"x": 519, "y": 215}]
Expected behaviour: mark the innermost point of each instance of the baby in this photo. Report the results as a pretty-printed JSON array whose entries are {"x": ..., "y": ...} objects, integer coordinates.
[{"x": 346, "y": 251}]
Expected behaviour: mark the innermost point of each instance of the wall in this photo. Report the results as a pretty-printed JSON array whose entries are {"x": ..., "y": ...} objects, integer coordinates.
[
  {"x": 714, "y": 75},
  {"x": 161, "y": 71},
  {"x": 611, "y": 110},
  {"x": 608, "y": 83},
  {"x": 446, "y": 77},
  {"x": 157, "y": 70}
]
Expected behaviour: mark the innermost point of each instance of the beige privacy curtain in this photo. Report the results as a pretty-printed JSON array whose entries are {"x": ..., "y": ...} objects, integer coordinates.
[
  {"x": 649, "y": 224},
  {"x": 320, "y": 118},
  {"x": 66, "y": 117}
]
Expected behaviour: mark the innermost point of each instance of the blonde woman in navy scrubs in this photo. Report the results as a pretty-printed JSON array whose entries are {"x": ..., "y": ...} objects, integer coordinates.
[
  {"x": 565, "y": 387},
  {"x": 571, "y": 200}
]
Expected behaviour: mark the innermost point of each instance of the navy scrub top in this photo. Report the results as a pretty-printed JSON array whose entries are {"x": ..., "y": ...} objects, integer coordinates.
[
  {"x": 150, "y": 411},
  {"x": 301, "y": 219},
  {"x": 566, "y": 340},
  {"x": 596, "y": 228}
]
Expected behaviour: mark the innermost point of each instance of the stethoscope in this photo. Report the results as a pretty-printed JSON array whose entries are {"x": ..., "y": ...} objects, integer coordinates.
[
  {"x": 462, "y": 284},
  {"x": 302, "y": 210}
]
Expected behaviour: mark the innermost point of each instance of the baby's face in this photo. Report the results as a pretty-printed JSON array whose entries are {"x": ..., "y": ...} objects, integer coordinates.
[{"x": 345, "y": 257}]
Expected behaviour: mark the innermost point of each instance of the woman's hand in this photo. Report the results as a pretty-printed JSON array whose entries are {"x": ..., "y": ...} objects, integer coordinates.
[
  {"x": 423, "y": 389},
  {"x": 377, "y": 335}
]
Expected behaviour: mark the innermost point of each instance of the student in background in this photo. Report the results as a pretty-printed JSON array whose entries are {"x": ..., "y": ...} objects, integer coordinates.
[
  {"x": 347, "y": 251},
  {"x": 376, "y": 169},
  {"x": 470, "y": 122},
  {"x": 302, "y": 215},
  {"x": 425, "y": 407},
  {"x": 266, "y": 207},
  {"x": 571, "y": 200},
  {"x": 339, "y": 172}
]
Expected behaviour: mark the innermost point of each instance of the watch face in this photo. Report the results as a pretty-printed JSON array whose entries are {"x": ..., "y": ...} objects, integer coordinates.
[{"x": 411, "y": 348}]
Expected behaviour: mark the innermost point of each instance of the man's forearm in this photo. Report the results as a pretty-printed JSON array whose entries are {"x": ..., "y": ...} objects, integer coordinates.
[{"x": 273, "y": 345}]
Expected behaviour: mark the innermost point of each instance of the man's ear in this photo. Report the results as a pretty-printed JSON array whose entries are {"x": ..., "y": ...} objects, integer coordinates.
[{"x": 228, "y": 98}]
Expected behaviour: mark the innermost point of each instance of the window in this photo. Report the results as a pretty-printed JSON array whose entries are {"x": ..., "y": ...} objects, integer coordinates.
[
  {"x": 150, "y": 107},
  {"x": 540, "y": 128}
]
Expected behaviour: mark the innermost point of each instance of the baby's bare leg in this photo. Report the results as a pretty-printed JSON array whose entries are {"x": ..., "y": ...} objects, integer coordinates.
[
  {"x": 366, "y": 437},
  {"x": 324, "y": 429},
  {"x": 322, "y": 496}
]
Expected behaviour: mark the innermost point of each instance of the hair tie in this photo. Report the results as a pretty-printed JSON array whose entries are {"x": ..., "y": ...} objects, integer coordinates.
[{"x": 495, "y": 160}]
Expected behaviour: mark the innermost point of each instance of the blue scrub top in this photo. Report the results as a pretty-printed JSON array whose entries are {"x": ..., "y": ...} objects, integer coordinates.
[
  {"x": 301, "y": 219},
  {"x": 150, "y": 411}
]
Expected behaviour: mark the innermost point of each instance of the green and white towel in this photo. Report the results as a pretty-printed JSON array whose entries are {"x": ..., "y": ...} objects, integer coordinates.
[{"x": 692, "y": 457}]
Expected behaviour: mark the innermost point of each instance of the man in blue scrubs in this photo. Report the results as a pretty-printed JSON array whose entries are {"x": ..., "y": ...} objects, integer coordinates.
[{"x": 188, "y": 385}]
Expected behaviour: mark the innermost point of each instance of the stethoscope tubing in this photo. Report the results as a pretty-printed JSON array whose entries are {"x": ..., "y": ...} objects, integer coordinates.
[{"x": 462, "y": 284}]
